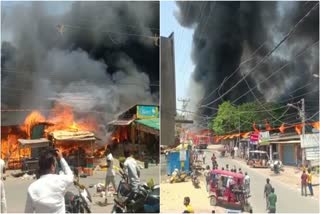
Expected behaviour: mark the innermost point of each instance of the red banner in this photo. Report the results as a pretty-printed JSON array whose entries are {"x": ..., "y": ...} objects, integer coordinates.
[{"x": 254, "y": 137}]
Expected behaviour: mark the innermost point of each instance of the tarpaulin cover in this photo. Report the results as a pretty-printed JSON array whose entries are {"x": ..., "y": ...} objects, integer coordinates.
[{"x": 152, "y": 123}]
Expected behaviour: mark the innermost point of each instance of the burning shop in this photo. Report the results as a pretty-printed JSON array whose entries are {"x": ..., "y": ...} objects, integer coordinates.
[
  {"x": 75, "y": 139},
  {"x": 137, "y": 129}
]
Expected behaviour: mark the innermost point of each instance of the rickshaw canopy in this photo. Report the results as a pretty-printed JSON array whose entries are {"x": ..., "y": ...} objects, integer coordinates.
[{"x": 227, "y": 173}]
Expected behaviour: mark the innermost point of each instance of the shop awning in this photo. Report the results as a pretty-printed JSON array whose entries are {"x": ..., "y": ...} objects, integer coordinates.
[
  {"x": 152, "y": 123},
  {"x": 121, "y": 122},
  {"x": 36, "y": 143},
  {"x": 151, "y": 126},
  {"x": 285, "y": 142},
  {"x": 264, "y": 143}
]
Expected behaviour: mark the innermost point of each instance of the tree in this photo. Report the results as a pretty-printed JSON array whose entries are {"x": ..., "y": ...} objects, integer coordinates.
[
  {"x": 227, "y": 119},
  {"x": 230, "y": 118}
]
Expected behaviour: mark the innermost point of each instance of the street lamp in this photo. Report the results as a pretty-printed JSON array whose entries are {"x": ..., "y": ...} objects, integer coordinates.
[{"x": 302, "y": 116}]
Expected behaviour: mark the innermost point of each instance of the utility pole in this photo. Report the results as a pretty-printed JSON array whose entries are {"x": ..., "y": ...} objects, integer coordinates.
[
  {"x": 185, "y": 103},
  {"x": 303, "y": 118}
]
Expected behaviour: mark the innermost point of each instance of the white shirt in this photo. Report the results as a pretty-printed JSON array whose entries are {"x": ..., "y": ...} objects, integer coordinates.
[
  {"x": 247, "y": 179},
  {"x": 3, "y": 198},
  {"x": 110, "y": 170},
  {"x": 46, "y": 195},
  {"x": 132, "y": 170},
  {"x": 2, "y": 165},
  {"x": 229, "y": 182}
]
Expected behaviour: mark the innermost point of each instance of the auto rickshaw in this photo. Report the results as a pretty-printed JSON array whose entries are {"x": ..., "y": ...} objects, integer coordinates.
[
  {"x": 230, "y": 192},
  {"x": 258, "y": 159}
]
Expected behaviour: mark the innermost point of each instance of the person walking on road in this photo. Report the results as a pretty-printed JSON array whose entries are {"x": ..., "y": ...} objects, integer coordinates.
[
  {"x": 309, "y": 181},
  {"x": 304, "y": 178},
  {"x": 110, "y": 176},
  {"x": 204, "y": 157},
  {"x": 272, "y": 198},
  {"x": 207, "y": 175},
  {"x": 131, "y": 169},
  {"x": 247, "y": 183},
  {"x": 213, "y": 160},
  {"x": 267, "y": 191}
]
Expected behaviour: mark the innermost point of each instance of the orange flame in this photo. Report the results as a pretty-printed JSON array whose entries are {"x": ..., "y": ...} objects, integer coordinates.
[
  {"x": 10, "y": 148},
  {"x": 63, "y": 119},
  {"x": 32, "y": 119}
]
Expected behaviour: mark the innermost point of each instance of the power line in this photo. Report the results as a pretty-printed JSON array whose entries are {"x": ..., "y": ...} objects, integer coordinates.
[
  {"x": 267, "y": 55},
  {"x": 251, "y": 57},
  {"x": 275, "y": 72}
]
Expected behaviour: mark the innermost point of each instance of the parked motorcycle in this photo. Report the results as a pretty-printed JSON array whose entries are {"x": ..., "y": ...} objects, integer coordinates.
[
  {"x": 144, "y": 200},
  {"x": 178, "y": 176},
  {"x": 78, "y": 203}
]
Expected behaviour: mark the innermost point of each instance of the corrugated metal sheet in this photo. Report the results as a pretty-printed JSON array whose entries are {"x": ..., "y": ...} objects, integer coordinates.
[
  {"x": 42, "y": 142},
  {"x": 310, "y": 140},
  {"x": 121, "y": 122},
  {"x": 312, "y": 153}
]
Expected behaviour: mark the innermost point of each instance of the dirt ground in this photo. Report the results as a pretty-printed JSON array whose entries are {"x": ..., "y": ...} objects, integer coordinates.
[{"x": 172, "y": 195}]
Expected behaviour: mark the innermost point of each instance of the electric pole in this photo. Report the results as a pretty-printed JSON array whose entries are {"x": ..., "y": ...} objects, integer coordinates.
[
  {"x": 185, "y": 103},
  {"x": 303, "y": 119}
]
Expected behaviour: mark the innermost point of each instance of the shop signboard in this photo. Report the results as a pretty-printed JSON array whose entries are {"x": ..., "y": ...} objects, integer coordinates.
[
  {"x": 147, "y": 112},
  {"x": 254, "y": 138}
]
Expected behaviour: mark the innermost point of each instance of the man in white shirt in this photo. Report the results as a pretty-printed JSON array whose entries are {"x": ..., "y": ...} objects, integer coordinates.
[
  {"x": 3, "y": 193},
  {"x": 132, "y": 170},
  {"x": 247, "y": 182},
  {"x": 46, "y": 195},
  {"x": 235, "y": 151},
  {"x": 110, "y": 177}
]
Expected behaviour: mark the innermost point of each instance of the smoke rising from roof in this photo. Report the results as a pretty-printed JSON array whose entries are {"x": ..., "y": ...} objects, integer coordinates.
[
  {"x": 229, "y": 33},
  {"x": 95, "y": 56}
]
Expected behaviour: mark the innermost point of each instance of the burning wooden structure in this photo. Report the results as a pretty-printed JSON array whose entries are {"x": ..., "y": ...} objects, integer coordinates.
[
  {"x": 75, "y": 139},
  {"x": 76, "y": 146}
]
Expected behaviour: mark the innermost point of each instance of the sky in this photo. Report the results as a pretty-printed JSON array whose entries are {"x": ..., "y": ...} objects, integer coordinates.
[{"x": 183, "y": 47}]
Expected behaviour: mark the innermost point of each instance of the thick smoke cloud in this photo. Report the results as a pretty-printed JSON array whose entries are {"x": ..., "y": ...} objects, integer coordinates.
[
  {"x": 228, "y": 33},
  {"x": 95, "y": 56}
]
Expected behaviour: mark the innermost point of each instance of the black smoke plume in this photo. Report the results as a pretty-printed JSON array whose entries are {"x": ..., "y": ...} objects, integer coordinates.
[
  {"x": 95, "y": 56},
  {"x": 228, "y": 33}
]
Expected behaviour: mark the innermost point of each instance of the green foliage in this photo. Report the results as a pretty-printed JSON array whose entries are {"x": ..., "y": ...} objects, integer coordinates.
[{"x": 229, "y": 116}]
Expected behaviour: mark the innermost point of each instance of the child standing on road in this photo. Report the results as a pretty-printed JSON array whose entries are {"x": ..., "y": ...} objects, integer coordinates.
[
  {"x": 186, "y": 203},
  {"x": 272, "y": 198},
  {"x": 309, "y": 181}
]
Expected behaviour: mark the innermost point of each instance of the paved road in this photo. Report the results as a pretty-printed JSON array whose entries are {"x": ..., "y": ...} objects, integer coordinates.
[
  {"x": 16, "y": 189},
  {"x": 289, "y": 199}
]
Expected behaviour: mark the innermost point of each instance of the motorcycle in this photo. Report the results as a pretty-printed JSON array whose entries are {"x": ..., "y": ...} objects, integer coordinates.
[
  {"x": 143, "y": 200},
  {"x": 276, "y": 166},
  {"x": 78, "y": 203},
  {"x": 178, "y": 176}
]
